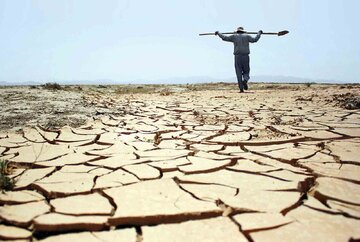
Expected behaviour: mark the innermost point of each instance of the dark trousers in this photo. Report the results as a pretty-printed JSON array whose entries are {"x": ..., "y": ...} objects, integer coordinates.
[{"x": 242, "y": 68}]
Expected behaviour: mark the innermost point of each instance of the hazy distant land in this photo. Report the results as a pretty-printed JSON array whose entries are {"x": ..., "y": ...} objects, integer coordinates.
[{"x": 179, "y": 80}]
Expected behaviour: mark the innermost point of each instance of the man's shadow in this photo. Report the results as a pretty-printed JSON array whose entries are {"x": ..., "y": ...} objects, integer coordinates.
[{"x": 246, "y": 92}]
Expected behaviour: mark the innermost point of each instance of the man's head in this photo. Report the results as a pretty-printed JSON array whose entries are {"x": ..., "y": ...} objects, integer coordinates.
[{"x": 240, "y": 30}]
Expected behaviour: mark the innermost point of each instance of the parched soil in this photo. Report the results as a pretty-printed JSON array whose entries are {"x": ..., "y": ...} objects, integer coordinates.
[{"x": 181, "y": 163}]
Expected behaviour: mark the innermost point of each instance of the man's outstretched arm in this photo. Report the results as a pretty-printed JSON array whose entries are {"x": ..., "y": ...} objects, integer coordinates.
[
  {"x": 256, "y": 38},
  {"x": 224, "y": 37}
]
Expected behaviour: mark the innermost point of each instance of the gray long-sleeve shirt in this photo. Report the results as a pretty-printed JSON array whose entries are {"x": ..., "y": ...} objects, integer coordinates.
[{"x": 241, "y": 42}]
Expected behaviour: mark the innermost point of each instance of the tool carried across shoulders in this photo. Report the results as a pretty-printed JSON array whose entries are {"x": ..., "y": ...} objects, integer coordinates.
[{"x": 281, "y": 33}]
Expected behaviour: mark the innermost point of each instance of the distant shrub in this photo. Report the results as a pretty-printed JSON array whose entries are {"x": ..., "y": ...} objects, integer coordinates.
[
  {"x": 52, "y": 86},
  {"x": 308, "y": 84}
]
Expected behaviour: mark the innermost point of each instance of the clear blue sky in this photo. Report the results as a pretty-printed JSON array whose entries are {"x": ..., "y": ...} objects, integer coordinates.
[{"x": 44, "y": 40}]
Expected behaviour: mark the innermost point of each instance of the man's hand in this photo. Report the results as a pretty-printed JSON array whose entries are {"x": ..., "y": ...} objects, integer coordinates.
[
  {"x": 216, "y": 32},
  {"x": 261, "y": 32}
]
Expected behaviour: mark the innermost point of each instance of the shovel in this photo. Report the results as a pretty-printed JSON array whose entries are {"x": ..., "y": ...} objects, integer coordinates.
[{"x": 281, "y": 33}]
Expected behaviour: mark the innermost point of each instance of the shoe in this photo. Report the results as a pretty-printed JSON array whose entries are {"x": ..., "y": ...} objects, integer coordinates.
[
  {"x": 241, "y": 90},
  {"x": 245, "y": 85}
]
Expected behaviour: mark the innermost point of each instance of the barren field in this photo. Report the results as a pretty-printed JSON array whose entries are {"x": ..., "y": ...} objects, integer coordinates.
[{"x": 180, "y": 163}]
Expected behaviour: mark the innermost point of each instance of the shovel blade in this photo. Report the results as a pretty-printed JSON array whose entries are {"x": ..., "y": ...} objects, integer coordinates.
[{"x": 281, "y": 33}]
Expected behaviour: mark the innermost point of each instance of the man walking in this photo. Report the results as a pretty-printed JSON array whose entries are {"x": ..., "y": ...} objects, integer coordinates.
[{"x": 241, "y": 42}]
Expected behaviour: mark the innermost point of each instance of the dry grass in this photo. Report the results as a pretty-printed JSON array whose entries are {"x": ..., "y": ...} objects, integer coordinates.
[
  {"x": 134, "y": 89},
  {"x": 166, "y": 92},
  {"x": 6, "y": 183}
]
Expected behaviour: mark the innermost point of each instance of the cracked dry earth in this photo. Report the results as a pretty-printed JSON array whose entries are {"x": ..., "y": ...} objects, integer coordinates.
[{"x": 198, "y": 166}]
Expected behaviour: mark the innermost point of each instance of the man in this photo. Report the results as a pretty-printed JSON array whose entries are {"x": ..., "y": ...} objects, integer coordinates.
[{"x": 241, "y": 42}]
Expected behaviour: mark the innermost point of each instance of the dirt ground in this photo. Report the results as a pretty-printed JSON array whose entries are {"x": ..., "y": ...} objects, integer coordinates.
[
  {"x": 181, "y": 163},
  {"x": 52, "y": 108}
]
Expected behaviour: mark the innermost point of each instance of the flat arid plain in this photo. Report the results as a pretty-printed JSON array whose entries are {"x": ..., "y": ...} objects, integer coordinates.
[{"x": 180, "y": 163}]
